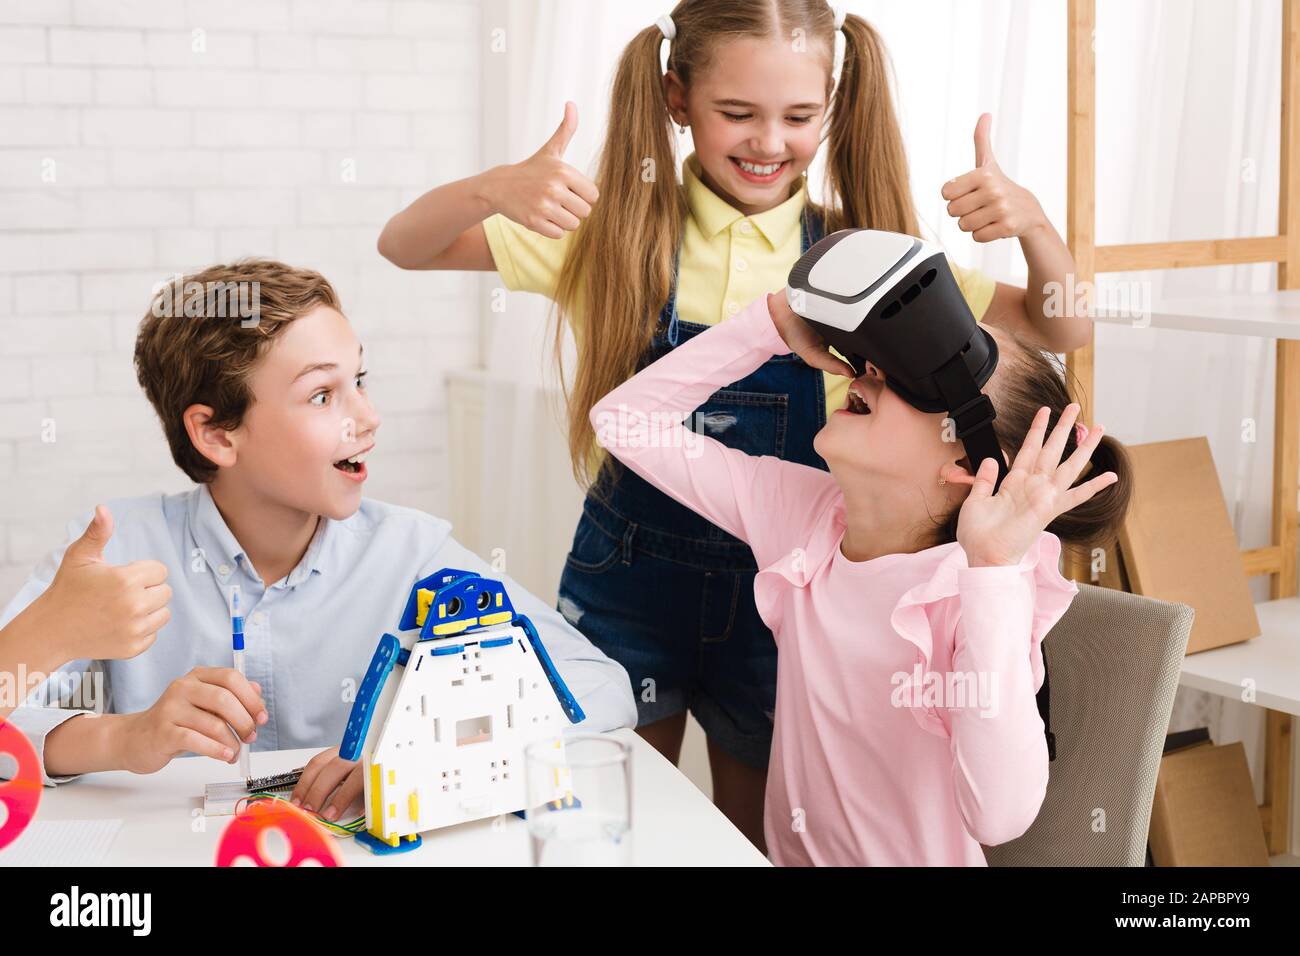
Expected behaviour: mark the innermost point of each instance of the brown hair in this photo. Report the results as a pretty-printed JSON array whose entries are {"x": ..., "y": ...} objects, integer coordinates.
[
  {"x": 1034, "y": 378},
  {"x": 203, "y": 335},
  {"x": 622, "y": 254}
]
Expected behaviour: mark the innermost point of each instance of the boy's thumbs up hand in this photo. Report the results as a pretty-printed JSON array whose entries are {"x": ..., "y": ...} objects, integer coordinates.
[
  {"x": 544, "y": 193},
  {"x": 97, "y": 610},
  {"x": 90, "y": 546},
  {"x": 985, "y": 202}
]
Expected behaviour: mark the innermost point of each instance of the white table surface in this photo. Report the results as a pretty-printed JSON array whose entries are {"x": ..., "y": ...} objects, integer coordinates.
[
  {"x": 1271, "y": 662},
  {"x": 673, "y": 823}
]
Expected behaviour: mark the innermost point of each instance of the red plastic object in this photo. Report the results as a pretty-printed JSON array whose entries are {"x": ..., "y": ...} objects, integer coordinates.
[
  {"x": 21, "y": 794},
  {"x": 244, "y": 834}
]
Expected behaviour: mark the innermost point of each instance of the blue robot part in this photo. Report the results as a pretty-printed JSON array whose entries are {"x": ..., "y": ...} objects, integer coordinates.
[
  {"x": 569, "y": 703},
  {"x": 452, "y": 601},
  {"x": 380, "y": 848},
  {"x": 387, "y": 654}
]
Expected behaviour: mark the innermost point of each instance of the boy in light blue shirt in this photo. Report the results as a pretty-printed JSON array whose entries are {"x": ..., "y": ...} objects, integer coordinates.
[{"x": 259, "y": 383}]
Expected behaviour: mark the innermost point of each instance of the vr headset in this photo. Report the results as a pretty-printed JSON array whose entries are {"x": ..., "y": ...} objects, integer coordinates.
[{"x": 891, "y": 300}]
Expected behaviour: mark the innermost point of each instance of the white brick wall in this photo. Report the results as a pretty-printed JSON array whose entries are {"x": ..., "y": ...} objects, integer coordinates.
[{"x": 143, "y": 137}]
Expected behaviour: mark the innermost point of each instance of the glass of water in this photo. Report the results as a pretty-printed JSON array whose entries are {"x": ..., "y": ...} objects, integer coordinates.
[{"x": 579, "y": 808}]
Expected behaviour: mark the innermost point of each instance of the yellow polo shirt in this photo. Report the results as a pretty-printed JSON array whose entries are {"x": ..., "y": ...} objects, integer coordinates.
[{"x": 727, "y": 260}]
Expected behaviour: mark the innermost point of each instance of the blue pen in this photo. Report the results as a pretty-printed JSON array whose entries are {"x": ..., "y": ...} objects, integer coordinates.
[{"x": 237, "y": 640}]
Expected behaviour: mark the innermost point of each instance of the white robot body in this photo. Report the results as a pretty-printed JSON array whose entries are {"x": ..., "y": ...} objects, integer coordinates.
[
  {"x": 452, "y": 746},
  {"x": 446, "y": 709}
]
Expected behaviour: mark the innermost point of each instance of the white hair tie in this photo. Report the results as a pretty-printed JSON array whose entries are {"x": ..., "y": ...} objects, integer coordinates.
[
  {"x": 840, "y": 13},
  {"x": 666, "y": 26}
]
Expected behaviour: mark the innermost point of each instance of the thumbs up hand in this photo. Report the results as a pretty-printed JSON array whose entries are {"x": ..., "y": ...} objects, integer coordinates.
[
  {"x": 544, "y": 193},
  {"x": 98, "y": 610},
  {"x": 985, "y": 202}
]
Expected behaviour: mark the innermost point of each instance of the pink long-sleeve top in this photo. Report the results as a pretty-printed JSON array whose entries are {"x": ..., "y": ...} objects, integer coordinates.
[{"x": 875, "y": 759}]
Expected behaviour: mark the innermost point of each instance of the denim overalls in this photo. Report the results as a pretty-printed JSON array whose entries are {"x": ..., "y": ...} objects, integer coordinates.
[{"x": 668, "y": 594}]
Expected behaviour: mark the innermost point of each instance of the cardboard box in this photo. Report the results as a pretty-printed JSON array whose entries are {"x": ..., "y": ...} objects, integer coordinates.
[
  {"x": 1112, "y": 574},
  {"x": 1177, "y": 542},
  {"x": 1204, "y": 811}
]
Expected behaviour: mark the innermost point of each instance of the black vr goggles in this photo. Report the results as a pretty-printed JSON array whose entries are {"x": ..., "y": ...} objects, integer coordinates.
[{"x": 891, "y": 300}]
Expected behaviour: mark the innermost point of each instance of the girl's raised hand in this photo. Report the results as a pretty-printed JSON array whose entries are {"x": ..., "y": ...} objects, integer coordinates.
[
  {"x": 544, "y": 193},
  {"x": 1000, "y": 528},
  {"x": 802, "y": 339},
  {"x": 985, "y": 202}
]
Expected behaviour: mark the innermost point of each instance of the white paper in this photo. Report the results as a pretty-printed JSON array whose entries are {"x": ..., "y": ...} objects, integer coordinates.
[{"x": 62, "y": 843}]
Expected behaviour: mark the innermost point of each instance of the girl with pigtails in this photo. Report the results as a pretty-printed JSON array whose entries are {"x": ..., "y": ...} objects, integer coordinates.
[{"x": 639, "y": 265}]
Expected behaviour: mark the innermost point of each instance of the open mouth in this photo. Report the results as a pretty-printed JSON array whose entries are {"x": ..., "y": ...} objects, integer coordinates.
[
  {"x": 354, "y": 466},
  {"x": 857, "y": 401},
  {"x": 759, "y": 172}
]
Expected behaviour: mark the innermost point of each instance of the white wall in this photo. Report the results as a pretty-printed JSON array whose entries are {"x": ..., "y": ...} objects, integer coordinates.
[{"x": 143, "y": 137}]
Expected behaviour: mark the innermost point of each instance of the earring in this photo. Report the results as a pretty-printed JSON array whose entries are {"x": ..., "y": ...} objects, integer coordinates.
[
  {"x": 682, "y": 127},
  {"x": 943, "y": 481}
]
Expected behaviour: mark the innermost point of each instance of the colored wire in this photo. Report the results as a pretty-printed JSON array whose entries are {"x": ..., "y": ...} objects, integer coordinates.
[{"x": 347, "y": 829}]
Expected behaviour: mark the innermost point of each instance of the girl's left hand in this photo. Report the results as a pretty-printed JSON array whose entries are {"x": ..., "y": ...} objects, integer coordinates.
[
  {"x": 1000, "y": 528},
  {"x": 985, "y": 202}
]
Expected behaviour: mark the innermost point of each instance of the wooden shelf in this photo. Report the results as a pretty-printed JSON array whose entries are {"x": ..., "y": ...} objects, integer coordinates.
[{"x": 1273, "y": 315}]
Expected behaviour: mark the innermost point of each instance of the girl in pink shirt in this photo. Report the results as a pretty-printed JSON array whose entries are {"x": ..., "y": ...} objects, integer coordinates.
[{"x": 908, "y": 601}]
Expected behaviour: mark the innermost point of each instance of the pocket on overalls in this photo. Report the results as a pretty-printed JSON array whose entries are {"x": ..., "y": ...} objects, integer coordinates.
[
  {"x": 752, "y": 422},
  {"x": 594, "y": 550}
]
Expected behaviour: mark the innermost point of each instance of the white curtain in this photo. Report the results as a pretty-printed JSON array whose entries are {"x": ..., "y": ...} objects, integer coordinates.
[
  {"x": 554, "y": 50},
  {"x": 527, "y": 504},
  {"x": 1187, "y": 104},
  {"x": 1195, "y": 155}
]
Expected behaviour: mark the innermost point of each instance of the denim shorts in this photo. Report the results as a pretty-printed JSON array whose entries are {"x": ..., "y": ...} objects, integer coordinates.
[{"x": 679, "y": 616}]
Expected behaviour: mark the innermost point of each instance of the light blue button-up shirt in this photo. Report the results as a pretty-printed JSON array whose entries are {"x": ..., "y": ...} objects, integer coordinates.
[{"x": 309, "y": 637}]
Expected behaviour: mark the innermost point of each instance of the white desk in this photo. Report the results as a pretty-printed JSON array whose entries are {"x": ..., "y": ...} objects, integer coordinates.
[
  {"x": 673, "y": 823},
  {"x": 1271, "y": 661}
]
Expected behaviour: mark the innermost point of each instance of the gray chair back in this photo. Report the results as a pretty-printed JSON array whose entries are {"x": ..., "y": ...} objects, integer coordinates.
[{"x": 1113, "y": 663}]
